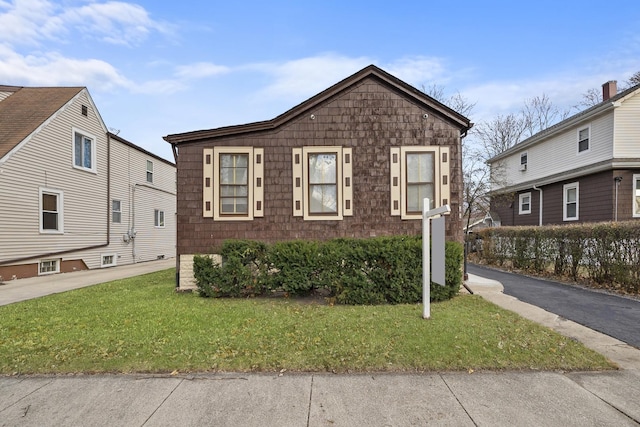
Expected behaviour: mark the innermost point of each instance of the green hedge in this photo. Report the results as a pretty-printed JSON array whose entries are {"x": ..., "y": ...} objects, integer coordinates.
[
  {"x": 606, "y": 254},
  {"x": 384, "y": 270}
]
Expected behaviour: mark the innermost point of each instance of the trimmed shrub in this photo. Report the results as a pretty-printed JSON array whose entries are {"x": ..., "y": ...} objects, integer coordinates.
[{"x": 354, "y": 271}]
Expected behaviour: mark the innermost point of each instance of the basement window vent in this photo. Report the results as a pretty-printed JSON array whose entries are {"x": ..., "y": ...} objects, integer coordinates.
[{"x": 85, "y": 110}]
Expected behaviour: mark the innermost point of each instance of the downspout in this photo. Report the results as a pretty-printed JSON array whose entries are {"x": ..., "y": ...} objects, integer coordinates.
[
  {"x": 174, "y": 148},
  {"x": 540, "y": 190}
]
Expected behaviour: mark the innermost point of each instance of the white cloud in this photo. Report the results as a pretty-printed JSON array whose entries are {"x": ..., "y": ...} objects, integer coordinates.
[
  {"x": 33, "y": 21},
  {"x": 201, "y": 70},
  {"x": 55, "y": 70},
  {"x": 419, "y": 70},
  {"x": 302, "y": 78}
]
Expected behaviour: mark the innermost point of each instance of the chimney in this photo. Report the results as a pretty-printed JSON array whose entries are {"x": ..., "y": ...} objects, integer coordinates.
[{"x": 609, "y": 89}]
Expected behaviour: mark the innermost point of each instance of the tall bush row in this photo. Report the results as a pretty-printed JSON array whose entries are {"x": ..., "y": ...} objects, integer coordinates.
[
  {"x": 384, "y": 270},
  {"x": 607, "y": 254}
]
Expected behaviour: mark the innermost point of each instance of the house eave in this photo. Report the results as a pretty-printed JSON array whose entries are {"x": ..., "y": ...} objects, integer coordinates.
[
  {"x": 307, "y": 106},
  {"x": 572, "y": 174}
]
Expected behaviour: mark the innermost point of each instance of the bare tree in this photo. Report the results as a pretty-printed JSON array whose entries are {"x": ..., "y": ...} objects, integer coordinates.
[
  {"x": 500, "y": 134},
  {"x": 539, "y": 113},
  {"x": 590, "y": 98}
]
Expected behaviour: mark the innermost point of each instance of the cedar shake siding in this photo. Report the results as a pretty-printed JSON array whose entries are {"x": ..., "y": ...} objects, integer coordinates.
[
  {"x": 596, "y": 201},
  {"x": 365, "y": 118}
]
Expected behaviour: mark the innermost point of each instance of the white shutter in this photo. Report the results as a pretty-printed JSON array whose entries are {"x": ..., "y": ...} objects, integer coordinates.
[
  {"x": 395, "y": 193},
  {"x": 258, "y": 182},
  {"x": 296, "y": 160},
  {"x": 445, "y": 176},
  {"x": 207, "y": 182},
  {"x": 347, "y": 179}
]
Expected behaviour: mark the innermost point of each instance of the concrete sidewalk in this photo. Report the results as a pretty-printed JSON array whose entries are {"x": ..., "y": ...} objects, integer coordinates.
[
  {"x": 321, "y": 399},
  {"x": 34, "y": 287}
]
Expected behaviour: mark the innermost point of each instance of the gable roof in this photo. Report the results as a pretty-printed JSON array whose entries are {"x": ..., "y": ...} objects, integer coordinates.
[
  {"x": 23, "y": 111},
  {"x": 407, "y": 90},
  {"x": 604, "y": 106}
]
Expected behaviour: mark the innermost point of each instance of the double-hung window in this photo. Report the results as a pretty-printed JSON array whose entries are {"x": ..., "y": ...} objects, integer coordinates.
[
  {"x": 84, "y": 151},
  {"x": 149, "y": 171},
  {"x": 116, "y": 211},
  {"x": 417, "y": 173},
  {"x": 322, "y": 187},
  {"x": 523, "y": 161},
  {"x": 51, "y": 215},
  {"x": 583, "y": 139},
  {"x": 158, "y": 218},
  {"x": 232, "y": 183},
  {"x": 571, "y": 202},
  {"x": 524, "y": 204},
  {"x": 636, "y": 196}
]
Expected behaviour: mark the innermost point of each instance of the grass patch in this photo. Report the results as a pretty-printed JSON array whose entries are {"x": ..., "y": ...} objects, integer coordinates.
[{"x": 142, "y": 325}]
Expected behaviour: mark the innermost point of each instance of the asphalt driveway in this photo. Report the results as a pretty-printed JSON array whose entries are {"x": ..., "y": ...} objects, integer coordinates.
[{"x": 613, "y": 315}]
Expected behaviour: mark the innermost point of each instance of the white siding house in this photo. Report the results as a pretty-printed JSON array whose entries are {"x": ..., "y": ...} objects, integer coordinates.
[
  {"x": 586, "y": 163},
  {"x": 59, "y": 172}
]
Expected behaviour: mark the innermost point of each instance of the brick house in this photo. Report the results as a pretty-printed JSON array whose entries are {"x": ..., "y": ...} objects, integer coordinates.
[{"x": 356, "y": 160}]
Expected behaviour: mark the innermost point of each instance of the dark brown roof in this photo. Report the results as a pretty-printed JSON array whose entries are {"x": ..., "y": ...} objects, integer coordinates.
[
  {"x": 27, "y": 108},
  {"x": 371, "y": 71}
]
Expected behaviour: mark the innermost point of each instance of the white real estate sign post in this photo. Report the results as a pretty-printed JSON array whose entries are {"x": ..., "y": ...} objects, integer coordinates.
[{"x": 433, "y": 251}]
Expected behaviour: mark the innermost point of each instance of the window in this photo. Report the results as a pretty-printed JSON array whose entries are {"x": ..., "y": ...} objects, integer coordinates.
[
  {"x": 84, "y": 151},
  {"x": 51, "y": 218},
  {"x": 523, "y": 161},
  {"x": 108, "y": 260},
  {"x": 583, "y": 139},
  {"x": 418, "y": 173},
  {"x": 232, "y": 188},
  {"x": 49, "y": 266},
  {"x": 150, "y": 171},
  {"x": 116, "y": 211},
  {"x": 322, "y": 187},
  {"x": 570, "y": 202},
  {"x": 158, "y": 220},
  {"x": 636, "y": 195},
  {"x": 524, "y": 203}
]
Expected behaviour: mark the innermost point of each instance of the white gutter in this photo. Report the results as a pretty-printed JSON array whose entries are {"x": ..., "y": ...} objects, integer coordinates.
[{"x": 540, "y": 190}]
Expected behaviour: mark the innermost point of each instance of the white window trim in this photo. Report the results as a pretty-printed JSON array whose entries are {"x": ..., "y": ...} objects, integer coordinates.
[
  {"x": 564, "y": 201},
  {"x": 156, "y": 218},
  {"x": 60, "y": 199},
  {"x": 114, "y": 211},
  {"x": 57, "y": 270},
  {"x": 149, "y": 162},
  {"x": 635, "y": 192},
  {"x": 113, "y": 264},
  {"x": 344, "y": 182},
  {"x": 442, "y": 184},
  {"x": 520, "y": 203},
  {"x": 588, "y": 127},
  {"x": 93, "y": 168},
  {"x": 525, "y": 165},
  {"x": 211, "y": 189}
]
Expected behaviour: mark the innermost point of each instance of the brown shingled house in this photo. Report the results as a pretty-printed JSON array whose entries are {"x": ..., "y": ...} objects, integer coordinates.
[{"x": 356, "y": 160}]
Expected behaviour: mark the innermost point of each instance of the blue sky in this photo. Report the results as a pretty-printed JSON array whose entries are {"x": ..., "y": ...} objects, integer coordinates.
[{"x": 157, "y": 67}]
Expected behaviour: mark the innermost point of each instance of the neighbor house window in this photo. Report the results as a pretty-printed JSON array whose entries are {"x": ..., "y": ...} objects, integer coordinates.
[
  {"x": 150, "y": 171},
  {"x": 158, "y": 220},
  {"x": 322, "y": 187},
  {"x": 84, "y": 151},
  {"x": 418, "y": 173},
  {"x": 570, "y": 202},
  {"x": 583, "y": 139},
  {"x": 51, "y": 218},
  {"x": 636, "y": 195},
  {"x": 523, "y": 161},
  {"x": 232, "y": 188},
  {"x": 116, "y": 211},
  {"x": 49, "y": 266},
  {"x": 524, "y": 203},
  {"x": 108, "y": 260}
]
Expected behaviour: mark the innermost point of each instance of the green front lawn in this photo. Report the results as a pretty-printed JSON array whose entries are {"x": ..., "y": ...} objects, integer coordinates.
[{"x": 143, "y": 325}]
